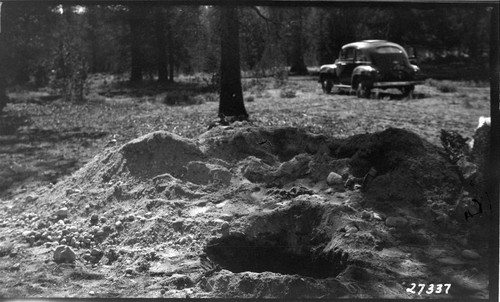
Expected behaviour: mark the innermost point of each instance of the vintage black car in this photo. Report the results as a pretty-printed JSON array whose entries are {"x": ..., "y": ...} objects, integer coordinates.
[{"x": 366, "y": 65}]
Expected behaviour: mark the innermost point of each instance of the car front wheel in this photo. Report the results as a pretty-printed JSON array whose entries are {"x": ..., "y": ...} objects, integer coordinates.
[{"x": 327, "y": 86}]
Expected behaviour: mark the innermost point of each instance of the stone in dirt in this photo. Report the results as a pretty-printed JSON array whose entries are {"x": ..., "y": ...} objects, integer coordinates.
[
  {"x": 180, "y": 281},
  {"x": 62, "y": 213},
  {"x": 94, "y": 219},
  {"x": 64, "y": 254},
  {"x": 334, "y": 179},
  {"x": 397, "y": 222},
  {"x": 366, "y": 215},
  {"x": 471, "y": 255}
]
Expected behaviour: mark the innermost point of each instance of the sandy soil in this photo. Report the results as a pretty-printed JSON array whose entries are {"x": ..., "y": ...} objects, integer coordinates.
[{"x": 319, "y": 196}]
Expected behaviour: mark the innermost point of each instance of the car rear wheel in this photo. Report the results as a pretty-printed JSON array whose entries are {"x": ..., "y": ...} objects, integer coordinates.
[
  {"x": 363, "y": 89},
  {"x": 408, "y": 92}
]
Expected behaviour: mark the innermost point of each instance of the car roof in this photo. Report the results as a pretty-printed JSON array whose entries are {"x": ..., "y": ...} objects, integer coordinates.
[{"x": 368, "y": 44}]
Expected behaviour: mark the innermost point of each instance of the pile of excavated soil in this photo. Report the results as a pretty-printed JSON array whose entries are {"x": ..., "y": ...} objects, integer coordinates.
[{"x": 243, "y": 211}]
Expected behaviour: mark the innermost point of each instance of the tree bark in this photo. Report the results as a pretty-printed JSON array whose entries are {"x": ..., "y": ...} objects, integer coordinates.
[
  {"x": 231, "y": 95},
  {"x": 170, "y": 51},
  {"x": 136, "y": 51},
  {"x": 3, "y": 68},
  {"x": 93, "y": 15},
  {"x": 162, "y": 48},
  {"x": 297, "y": 60}
]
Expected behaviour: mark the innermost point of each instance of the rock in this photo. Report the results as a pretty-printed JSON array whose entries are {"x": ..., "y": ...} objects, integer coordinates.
[
  {"x": 130, "y": 218},
  {"x": 87, "y": 256},
  {"x": 31, "y": 198},
  {"x": 224, "y": 229},
  {"x": 397, "y": 222},
  {"x": 178, "y": 224},
  {"x": 27, "y": 233},
  {"x": 103, "y": 220},
  {"x": 471, "y": 255},
  {"x": 118, "y": 225},
  {"x": 31, "y": 240},
  {"x": 180, "y": 281},
  {"x": 37, "y": 235},
  {"x": 366, "y": 215},
  {"x": 64, "y": 254},
  {"x": 94, "y": 219},
  {"x": 351, "y": 228},
  {"x": 256, "y": 170},
  {"x": 334, "y": 179},
  {"x": 73, "y": 191},
  {"x": 91, "y": 292},
  {"x": 129, "y": 270},
  {"x": 450, "y": 261},
  {"x": 16, "y": 267},
  {"x": 51, "y": 244},
  {"x": 107, "y": 229},
  {"x": 378, "y": 216},
  {"x": 62, "y": 213},
  {"x": 186, "y": 239}
]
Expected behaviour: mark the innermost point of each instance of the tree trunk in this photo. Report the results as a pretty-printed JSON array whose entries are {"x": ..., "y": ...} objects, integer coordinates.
[
  {"x": 136, "y": 51},
  {"x": 93, "y": 15},
  {"x": 3, "y": 68},
  {"x": 3, "y": 80},
  {"x": 170, "y": 51},
  {"x": 231, "y": 95},
  {"x": 162, "y": 49},
  {"x": 297, "y": 56}
]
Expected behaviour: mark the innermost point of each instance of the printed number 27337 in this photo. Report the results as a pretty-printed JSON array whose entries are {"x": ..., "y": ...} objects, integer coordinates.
[{"x": 431, "y": 288}]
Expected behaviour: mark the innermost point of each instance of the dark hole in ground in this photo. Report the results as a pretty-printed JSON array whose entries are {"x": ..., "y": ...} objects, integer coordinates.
[{"x": 270, "y": 254}]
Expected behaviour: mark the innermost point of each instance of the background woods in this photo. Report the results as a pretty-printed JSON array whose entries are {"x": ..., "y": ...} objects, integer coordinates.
[{"x": 58, "y": 46}]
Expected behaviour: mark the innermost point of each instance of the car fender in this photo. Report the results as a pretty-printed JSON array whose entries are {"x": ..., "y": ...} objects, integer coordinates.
[
  {"x": 365, "y": 71},
  {"x": 328, "y": 71}
]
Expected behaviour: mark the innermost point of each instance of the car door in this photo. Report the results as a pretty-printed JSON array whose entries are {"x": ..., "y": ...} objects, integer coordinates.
[{"x": 345, "y": 65}]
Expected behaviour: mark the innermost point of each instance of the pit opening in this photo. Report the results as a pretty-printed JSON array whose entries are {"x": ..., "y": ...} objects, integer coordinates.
[{"x": 271, "y": 253}]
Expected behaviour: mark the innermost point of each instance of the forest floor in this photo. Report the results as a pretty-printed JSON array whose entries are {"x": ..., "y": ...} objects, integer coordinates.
[{"x": 154, "y": 205}]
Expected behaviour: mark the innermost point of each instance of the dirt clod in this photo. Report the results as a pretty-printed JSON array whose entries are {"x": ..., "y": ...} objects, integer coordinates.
[{"x": 64, "y": 254}]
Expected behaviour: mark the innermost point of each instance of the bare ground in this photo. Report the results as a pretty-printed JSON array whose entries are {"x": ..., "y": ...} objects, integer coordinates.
[{"x": 240, "y": 211}]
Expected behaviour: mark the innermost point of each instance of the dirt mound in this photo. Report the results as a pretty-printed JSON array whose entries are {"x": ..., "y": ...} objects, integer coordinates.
[
  {"x": 408, "y": 168},
  {"x": 151, "y": 155},
  {"x": 244, "y": 211}
]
